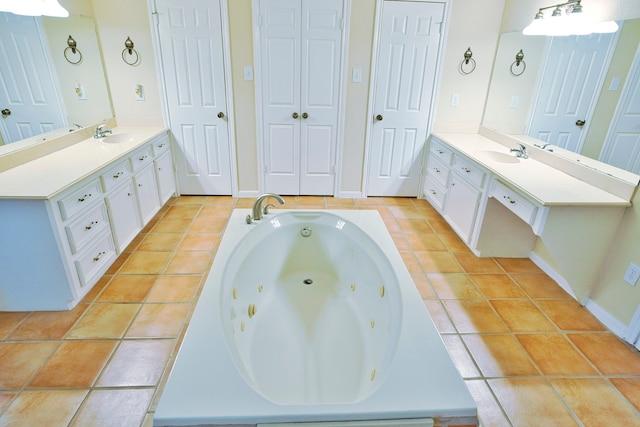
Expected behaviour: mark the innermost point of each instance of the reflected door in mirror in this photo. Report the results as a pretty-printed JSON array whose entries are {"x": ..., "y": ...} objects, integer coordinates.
[
  {"x": 570, "y": 82},
  {"x": 29, "y": 88}
]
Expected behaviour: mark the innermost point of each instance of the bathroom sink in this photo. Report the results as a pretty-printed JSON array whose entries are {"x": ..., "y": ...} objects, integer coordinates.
[
  {"x": 499, "y": 157},
  {"x": 118, "y": 138}
]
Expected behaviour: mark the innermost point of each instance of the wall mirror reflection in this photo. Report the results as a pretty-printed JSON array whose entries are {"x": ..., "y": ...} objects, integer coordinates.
[
  {"x": 581, "y": 94},
  {"x": 40, "y": 91}
]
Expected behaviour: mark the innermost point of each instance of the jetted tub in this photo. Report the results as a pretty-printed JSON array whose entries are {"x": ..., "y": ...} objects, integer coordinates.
[{"x": 311, "y": 316}]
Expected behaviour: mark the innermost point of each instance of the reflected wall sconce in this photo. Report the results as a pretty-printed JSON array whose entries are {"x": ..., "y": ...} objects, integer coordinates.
[
  {"x": 468, "y": 64},
  {"x": 129, "y": 55},
  {"x": 567, "y": 19},
  {"x": 71, "y": 53},
  {"x": 518, "y": 66}
]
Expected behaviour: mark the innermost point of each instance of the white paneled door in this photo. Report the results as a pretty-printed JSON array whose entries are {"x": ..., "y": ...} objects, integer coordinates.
[
  {"x": 622, "y": 147},
  {"x": 405, "y": 78},
  {"x": 570, "y": 82},
  {"x": 28, "y": 95},
  {"x": 300, "y": 54},
  {"x": 191, "y": 44}
]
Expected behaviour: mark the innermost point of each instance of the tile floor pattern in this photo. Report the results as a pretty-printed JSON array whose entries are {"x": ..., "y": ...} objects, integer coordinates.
[{"x": 529, "y": 354}]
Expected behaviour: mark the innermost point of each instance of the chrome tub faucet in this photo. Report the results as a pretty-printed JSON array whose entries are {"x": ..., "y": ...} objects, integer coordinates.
[{"x": 258, "y": 210}]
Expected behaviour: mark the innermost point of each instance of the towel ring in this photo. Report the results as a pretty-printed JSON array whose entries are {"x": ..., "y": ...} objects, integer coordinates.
[
  {"x": 129, "y": 55},
  {"x": 72, "y": 51},
  {"x": 516, "y": 69},
  {"x": 468, "y": 64}
]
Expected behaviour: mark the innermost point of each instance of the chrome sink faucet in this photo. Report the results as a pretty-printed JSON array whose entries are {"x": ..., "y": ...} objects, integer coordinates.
[
  {"x": 258, "y": 211},
  {"x": 521, "y": 151},
  {"x": 101, "y": 131}
]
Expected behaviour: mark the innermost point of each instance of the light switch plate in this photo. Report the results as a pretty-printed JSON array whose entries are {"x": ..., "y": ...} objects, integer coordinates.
[{"x": 248, "y": 72}]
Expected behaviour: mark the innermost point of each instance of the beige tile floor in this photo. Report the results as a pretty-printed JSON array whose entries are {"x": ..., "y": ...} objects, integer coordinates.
[{"x": 530, "y": 355}]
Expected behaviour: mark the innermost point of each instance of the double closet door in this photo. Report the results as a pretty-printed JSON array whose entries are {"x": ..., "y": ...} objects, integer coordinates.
[{"x": 300, "y": 54}]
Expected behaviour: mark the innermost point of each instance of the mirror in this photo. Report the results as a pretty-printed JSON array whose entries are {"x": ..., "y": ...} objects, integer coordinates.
[
  {"x": 511, "y": 99},
  {"x": 81, "y": 89}
]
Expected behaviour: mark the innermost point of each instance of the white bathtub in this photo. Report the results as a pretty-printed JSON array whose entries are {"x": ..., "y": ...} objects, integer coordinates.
[{"x": 311, "y": 316}]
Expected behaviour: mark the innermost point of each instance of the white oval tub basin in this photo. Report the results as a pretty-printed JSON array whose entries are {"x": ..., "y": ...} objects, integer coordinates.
[
  {"x": 307, "y": 303},
  {"x": 307, "y": 317}
]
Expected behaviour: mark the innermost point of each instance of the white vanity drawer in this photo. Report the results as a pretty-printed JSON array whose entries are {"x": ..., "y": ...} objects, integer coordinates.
[
  {"x": 469, "y": 170},
  {"x": 96, "y": 260},
  {"x": 78, "y": 199},
  {"x": 441, "y": 151},
  {"x": 438, "y": 170},
  {"x": 88, "y": 226},
  {"x": 142, "y": 157},
  {"x": 519, "y": 205},
  {"x": 434, "y": 192},
  {"x": 114, "y": 176},
  {"x": 160, "y": 144}
]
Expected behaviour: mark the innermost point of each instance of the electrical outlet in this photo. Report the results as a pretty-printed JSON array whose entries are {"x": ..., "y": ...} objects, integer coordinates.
[{"x": 632, "y": 274}]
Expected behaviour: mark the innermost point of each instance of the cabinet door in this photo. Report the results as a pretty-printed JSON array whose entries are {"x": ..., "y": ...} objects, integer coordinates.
[
  {"x": 164, "y": 175},
  {"x": 146, "y": 190},
  {"x": 461, "y": 206},
  {"x": 123, "y": 211}
]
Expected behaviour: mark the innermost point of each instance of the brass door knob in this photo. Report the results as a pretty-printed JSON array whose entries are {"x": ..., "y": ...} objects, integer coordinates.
[
  {"x": 305, "y": 116},
  {"x": 580, "y": 123},
  {"x": 379, "y": 117},
  {"x": 220, "y": 115},
  {"x": 295, "y": 115},
  {"x": 6, "y": 113}
]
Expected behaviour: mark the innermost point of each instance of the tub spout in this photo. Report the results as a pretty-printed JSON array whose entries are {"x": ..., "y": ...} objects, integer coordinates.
[{"x": 257, "y": 211}]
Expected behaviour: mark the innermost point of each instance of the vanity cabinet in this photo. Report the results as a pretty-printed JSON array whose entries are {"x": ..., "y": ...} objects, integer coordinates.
[
  {"x": 55, "y": 248},
  {"x": 524, "y": 208},
  {"x": 455, "y": 186},
  {"x": 123, "y": 211}
]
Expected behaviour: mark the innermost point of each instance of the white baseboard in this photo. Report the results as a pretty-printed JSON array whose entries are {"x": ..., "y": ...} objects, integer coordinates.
[
  {"x": 349, "y": 195},
  {"x": 248, "y": 194},
  {"x": 613, "y": 324},
  {"x": 552, "y": 273},
  {"x": 610, "y": 322}
]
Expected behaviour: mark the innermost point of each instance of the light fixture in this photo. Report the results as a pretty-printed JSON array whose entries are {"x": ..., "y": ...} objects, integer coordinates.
[
  {"x": 566, "y": 19},
  {"x": 34, "y": 8}
]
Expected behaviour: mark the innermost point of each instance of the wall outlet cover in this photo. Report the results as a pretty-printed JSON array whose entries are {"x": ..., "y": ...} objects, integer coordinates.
[{"x": 632, "y": 274}]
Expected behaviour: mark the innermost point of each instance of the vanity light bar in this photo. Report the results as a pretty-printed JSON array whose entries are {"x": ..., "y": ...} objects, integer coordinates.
[{"x": 572, "y": 22}]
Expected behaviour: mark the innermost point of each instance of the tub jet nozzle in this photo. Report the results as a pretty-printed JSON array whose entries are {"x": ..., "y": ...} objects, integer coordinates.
[
  {"x": 307, "y": 281},
  {"x": 306, "y": 232}
]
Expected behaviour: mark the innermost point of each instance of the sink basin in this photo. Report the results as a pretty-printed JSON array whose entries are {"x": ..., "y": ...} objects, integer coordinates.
[
  {"x": 499, "y": 157},
  {"x": 118, "y": 138}
]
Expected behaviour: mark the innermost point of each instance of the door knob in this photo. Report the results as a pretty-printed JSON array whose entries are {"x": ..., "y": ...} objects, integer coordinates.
[
  {"x": 6, "y": 113},
  {"x": 295, "y": 115},
  {"x": 580, "y": 123},
  {"x": 220, "y": 115},
  {"x": 305, "y": 116},
  {"x": 379, "y": 117}
]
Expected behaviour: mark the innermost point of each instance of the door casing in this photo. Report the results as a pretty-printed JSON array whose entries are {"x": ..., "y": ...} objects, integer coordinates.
[
  {"x": 226, "y": 47},
  {"x": 373, "y": 78},
  {"x": 346, "y": 13}
]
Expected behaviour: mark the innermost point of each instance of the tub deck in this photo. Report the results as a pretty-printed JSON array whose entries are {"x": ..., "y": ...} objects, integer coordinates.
[{"x": 205, "y": 388}]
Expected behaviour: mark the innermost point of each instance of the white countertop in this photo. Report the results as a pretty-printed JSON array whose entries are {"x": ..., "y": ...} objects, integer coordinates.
[
  {"x": 543, "y": 183},
  {"x": 47, "y": 176}
]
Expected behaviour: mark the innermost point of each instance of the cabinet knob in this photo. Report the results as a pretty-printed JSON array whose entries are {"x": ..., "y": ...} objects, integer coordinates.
[
  {"x": 97, "y": 257},
  {"x": 220, "y": 115},
  {"x": 295, "y": 115},
  {"x": 437, "y": 170},
  {"x": 305, "y": 115},
  {"x": 379, "y": 117},
  {"x": 440, "y": 151}
]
